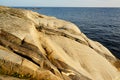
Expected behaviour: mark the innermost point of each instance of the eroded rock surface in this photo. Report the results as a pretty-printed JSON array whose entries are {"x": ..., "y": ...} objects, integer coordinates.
[{"x": 38, "y": 47}]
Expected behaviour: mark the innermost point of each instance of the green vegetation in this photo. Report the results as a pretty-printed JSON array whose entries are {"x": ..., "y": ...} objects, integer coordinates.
[{"x": 25, "y": 76}]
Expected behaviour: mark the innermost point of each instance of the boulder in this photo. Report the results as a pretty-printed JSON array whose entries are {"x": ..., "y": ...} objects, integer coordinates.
[{"x": 39, "y": 47}]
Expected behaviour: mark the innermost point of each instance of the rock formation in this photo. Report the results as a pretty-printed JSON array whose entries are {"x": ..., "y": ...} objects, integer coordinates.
[{"x": 38, "y": 47}]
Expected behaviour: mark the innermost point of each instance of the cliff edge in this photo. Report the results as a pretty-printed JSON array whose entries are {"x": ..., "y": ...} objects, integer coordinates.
[{"x": 38, "y": 47}]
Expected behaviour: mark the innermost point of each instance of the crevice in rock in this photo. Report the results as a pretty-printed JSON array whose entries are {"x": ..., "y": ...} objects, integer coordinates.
[
  {"x": 20, "y": 53},
  {"x": 46, "y": 65},
  {"x": 25, "y": 52},
  {"x": 49, "y": 31},
  {"x": 26, "y": 57}
]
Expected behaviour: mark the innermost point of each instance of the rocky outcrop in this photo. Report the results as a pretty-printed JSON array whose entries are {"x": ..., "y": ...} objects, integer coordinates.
[{"x": 38, "y": 47}]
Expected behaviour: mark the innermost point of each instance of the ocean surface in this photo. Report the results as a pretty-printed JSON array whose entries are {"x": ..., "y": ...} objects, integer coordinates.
[{"x": 99, "y": 24}]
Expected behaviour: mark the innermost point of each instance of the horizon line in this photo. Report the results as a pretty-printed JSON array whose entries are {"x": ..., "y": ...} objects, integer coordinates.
[{"x": 68, "y": 6}]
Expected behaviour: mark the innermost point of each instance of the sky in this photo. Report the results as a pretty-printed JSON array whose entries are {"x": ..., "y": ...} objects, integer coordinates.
[{"x": 61, "y": 3}]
